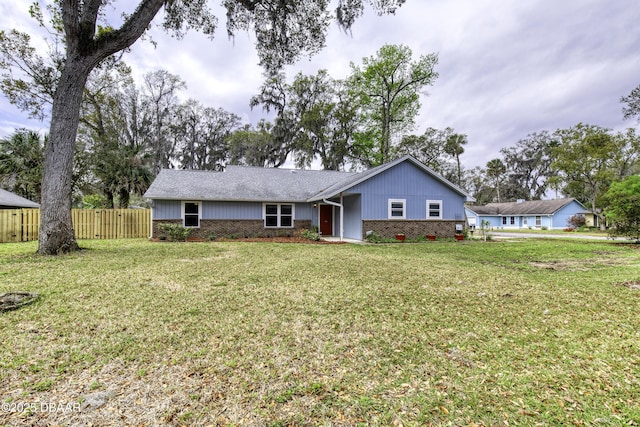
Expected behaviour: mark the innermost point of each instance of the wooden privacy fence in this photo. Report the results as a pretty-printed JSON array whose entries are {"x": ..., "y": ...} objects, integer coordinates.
[{"x": 21, "y": 225}]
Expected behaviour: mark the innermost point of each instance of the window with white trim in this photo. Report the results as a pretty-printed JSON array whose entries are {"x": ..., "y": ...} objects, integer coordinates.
[
  {"x": 434, "y": 209},
  {"x": 506, "y": 220},
  {"x": 278, "y": 215},
  {"x": 538, "y": 221},
  {"x": 191, "y": 214},
  {"x": 397, "y": 208}
]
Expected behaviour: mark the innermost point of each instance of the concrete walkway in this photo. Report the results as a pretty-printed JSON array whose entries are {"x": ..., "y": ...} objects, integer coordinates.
[{"x": 346, "y": 240}]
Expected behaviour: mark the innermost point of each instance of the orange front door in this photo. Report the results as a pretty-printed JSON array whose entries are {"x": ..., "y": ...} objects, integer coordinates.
[{"x": 326, "y": 220}]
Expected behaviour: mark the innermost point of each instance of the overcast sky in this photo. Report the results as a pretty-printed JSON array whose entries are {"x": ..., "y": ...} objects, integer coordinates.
[{"x": 507, "y": 68}]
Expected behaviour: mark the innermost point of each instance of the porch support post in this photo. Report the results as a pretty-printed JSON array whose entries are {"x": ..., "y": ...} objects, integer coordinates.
[{"x": 341, "y": 218}]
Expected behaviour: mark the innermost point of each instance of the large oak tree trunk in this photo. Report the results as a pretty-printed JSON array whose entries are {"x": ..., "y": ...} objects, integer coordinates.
[
  {"x": 84, "y": 52},
  {"x": 56, "y": 229}
]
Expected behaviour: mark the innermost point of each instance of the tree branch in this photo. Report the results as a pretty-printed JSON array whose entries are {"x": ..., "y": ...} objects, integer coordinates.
[
  {"x": 90, "y": 11},
  {"x": 109, "y": 43},
  {"x": 70, "y": 9},
  {"x": 88, "y": 19}
]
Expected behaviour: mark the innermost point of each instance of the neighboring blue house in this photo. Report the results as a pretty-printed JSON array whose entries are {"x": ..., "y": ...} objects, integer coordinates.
[
  {"x": 9, "y": 200},
  {"x": 549, "y": 214},
  {"x": 402, "y": 196}
]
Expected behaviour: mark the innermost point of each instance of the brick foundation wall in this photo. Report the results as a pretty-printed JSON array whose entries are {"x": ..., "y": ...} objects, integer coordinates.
[
  {"x": 218, "y": 228},
  {"x": 412, "y": 229}
]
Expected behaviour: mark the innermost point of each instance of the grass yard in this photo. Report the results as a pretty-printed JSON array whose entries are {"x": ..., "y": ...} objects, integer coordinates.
[
  {"x": 535, "y": 332},
  {"x": 587, "y": 232}
]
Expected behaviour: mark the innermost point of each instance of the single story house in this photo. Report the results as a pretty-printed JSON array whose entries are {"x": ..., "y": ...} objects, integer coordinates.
[
  {"x": 549, "y": 214},
  {"x": 9, "y": 200},
  {"x": 402, "y": 196}
]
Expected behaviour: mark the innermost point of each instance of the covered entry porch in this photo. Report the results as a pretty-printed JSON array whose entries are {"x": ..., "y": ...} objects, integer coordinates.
[{"x": 339, "y": 217}]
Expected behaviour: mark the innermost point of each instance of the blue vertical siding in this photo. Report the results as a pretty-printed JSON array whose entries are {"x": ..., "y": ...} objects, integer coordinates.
[
  {"x": 561, "y": 218},
  {"x": 315, "y": 216},
  {"x": 494, "y": 221},
  {"x": 545, "y": 221},
  {"x": 167, "y": 209},
  {"x": 352, "y": 217},
  {"x": 407, "y": 181},
  {"x": 248, "y": 210},
  {"x": 172, "y": 209},
  {"x": 304, "y": 211}
]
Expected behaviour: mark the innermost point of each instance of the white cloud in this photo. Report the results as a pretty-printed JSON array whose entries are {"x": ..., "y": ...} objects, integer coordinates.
[{"x": 507, "y": 68}]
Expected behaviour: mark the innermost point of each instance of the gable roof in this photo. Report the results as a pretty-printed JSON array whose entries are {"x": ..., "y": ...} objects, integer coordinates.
[
  {"x": 256, "y": 184},
  {"x": 345, "y": 185},
  {"x": 12, "y": 200},
  {"x": 531, "y": 207}
]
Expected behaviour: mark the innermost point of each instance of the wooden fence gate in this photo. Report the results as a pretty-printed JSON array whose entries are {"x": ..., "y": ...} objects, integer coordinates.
[{"x": 21, "y": 225}]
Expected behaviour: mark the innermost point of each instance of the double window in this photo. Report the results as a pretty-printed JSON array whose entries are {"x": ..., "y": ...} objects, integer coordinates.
[
  {"x": 397, "y": 208},
  {"x": 278, "y": 215},
  {"x": 191, "y": 214},
  {"x": 508, "y": 220},
  {"x": 434, "y": 209}
]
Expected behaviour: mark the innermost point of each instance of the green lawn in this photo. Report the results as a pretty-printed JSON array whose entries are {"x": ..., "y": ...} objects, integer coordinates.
[
  {"x": 534, "y": 332},
  {"x": 586, "y": 232}
]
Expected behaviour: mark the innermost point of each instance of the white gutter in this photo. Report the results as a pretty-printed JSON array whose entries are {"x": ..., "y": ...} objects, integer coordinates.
[
  {"x": 329, "y": 202},
  {"x": 151, "y": 222}
]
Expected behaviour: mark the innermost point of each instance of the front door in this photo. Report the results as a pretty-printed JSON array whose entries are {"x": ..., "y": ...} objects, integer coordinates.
[{"x": 326, "y": 220}]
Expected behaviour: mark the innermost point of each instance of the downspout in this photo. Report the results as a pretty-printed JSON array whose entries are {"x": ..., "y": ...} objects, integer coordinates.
[
  {"x": 329, "y": 202},
  {"x": 151, "y": 222}
]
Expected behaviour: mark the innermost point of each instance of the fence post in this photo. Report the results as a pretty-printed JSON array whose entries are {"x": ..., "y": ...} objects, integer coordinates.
[{"x": 30, "y": 223}]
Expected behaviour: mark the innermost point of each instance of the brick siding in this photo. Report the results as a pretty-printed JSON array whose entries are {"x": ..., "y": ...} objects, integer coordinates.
[
  {"x": 255, "y": 228},
  {"x": 234, "y": 228},
  {"x": 410, "y": 228}
]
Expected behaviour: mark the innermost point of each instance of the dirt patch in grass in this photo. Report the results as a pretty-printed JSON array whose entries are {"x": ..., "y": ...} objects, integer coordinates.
[
  {"x": 560, "y": 265},
  {"x": 631, "y": 284},
  {"x": 580, "y": 264}
]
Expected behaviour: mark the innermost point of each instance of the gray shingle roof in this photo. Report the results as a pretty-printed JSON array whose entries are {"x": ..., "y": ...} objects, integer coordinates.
[
  {"x": 532, "y": 207},
  {"x": 240, "y": 183},
  {"x": 255, "y": 184},
  {"x": 9, "y": 199}
]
